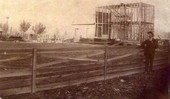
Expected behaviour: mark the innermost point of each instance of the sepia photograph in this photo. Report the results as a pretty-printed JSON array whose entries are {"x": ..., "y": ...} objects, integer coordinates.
[{"x": 84, "y": 49}]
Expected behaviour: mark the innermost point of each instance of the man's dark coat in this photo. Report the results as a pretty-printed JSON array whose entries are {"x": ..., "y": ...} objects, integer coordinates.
[{"x": 149, "y": 46}]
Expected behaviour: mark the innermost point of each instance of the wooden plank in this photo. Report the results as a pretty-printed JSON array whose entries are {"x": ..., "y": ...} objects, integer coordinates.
[
  {"x": 26, "y": 72},
  {"x": 68, "y": 51},
  {"x": 169, "y": 54},
  {"x": 74, "y": 82},
  {"x": 51, "y": 63},
  {"x": 122, "y": 56},
  {"x": 78, "y": 59},
  {"x": 14, "y": 67},
  {"x": 85, "y": 47},
  {"x": 33, "y": 81},
  {"x": 15, "y": 53},
  {"x": 68, "y": 58},
  {"x": 16, "y": 49},
  {"x": 15, "y": 91},
  {"x": 17, "y": 83},
  {"x": 85, "y": 68},
  {"x": 16, "y": 73},
  {"x": 81, "y": 58},
  {"x": 92, "y": 72},
  {"x": 105, "y": 61},
  {"x": 71, "y": 76},
  {"x": 14, "y": 58}
]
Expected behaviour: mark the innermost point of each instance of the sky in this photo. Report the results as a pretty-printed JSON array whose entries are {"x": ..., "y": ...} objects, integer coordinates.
[{"x": 62, "y": 13}]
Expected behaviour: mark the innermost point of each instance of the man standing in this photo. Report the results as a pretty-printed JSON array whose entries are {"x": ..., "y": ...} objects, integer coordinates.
[{"x": 149, "y": 51}]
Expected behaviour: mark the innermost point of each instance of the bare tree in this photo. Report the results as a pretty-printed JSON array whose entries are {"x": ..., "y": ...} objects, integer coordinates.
[
  {"x": 4, "y": 27},
  {"x": 57, "y": 34},
  {"x": 24, "y": 26},
  {"x": 39, "y": 28}
]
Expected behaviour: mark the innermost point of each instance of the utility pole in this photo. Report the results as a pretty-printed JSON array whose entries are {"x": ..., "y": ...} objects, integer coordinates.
[{"x": 7, "y": 18}]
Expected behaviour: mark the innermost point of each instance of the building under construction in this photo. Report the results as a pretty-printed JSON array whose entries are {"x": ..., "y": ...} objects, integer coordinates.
[{"x": 125, "y": 21}]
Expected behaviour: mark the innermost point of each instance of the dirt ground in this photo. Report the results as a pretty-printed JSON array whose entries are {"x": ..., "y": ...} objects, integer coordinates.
[{"x": 136, "y": 86}]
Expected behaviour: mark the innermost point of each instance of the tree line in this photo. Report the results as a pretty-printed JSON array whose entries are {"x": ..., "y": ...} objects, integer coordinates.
[{"x": 38, "y": 29}]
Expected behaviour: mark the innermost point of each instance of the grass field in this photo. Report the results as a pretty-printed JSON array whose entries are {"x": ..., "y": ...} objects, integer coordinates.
[
  {"x": 20, "y": 45},
  {"x": 48, "y": 52}
]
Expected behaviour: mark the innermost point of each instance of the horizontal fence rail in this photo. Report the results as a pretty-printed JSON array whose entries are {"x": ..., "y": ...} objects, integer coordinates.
[{"x": 44, "y": 69}]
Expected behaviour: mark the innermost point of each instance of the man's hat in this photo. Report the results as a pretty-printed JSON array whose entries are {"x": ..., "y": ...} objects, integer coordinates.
[{"x": 150, "y": 32}]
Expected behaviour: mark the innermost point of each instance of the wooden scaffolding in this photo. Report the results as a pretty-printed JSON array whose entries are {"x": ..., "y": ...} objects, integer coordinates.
[{"x": 125, "y": 21}]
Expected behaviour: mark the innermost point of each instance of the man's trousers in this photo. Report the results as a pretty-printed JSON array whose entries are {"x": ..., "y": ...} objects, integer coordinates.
[{"x": 149, "y": 62}]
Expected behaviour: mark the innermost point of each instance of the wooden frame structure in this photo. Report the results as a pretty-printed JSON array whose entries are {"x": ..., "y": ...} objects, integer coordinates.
[{"x": 125, "y": 21}]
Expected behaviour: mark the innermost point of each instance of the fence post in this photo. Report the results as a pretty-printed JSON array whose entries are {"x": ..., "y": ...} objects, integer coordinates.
[
  {"x": 169, "y": 54},
  {"x": 169, "y": 68},
  {"x": 34, "y": 61},
  {"x": 105, "y": 61}
]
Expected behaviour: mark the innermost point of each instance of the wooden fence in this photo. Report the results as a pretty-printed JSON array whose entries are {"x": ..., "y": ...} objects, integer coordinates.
[{"x": 65, "y": 69}]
